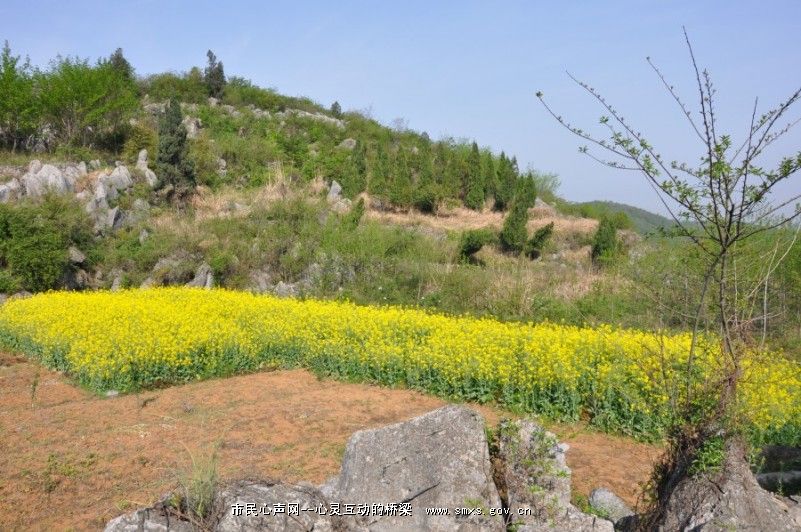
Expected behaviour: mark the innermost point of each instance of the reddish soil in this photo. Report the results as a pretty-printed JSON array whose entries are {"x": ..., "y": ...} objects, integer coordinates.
[{"x": 70, "y": 460}]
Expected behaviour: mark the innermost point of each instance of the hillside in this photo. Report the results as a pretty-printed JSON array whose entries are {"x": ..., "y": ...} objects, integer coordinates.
[
  {"x": 642, "y": 221},
  {"x": 255, "y": 190}
]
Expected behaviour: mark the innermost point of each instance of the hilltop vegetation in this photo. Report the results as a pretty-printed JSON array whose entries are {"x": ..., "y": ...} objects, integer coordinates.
[{"x": 262, "y": 214}]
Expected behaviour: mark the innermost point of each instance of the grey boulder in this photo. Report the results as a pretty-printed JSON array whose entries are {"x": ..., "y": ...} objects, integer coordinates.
[
  {"x": 254, "y": 506},
  {"x": 440, "y": 459},
  {"x": 609, "y": 504}
]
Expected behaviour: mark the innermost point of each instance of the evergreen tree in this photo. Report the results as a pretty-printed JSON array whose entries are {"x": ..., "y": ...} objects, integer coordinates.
[
  {"x": 336, "y": 110},
  {"x": 121, "y": 65},
  {"x": 425, "y": 166},
  {"x": 214, "y": 76},
  {"x": 490, "y": 176},
  {"x": 174, "y": 168},
  {"x": 507, "y": 182},
  {"x": 526, "y": 191},
  {"x": 605, "y": 246},
  {"x": 379, "y": 174},
  {"x": 474, "y": 193},
  {"x": 354, "y": 217},
  {"x": 513, "y": 234},
  {"x": 400, "y": 192},
  {"x": 426, "y": 195}
]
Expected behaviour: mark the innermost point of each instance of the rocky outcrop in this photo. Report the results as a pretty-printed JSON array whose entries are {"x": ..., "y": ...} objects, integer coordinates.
[
  {"x": 729, "y": 499},
  {"x": 431, "y": 473},
  {"x": 533, "y": 471},
  {"x": 10, "y": 191},
  {"x": 347, "y": 144},
  {"x": 204, "y": 277},
  {"x": 147, "y": 173},
  {"x": 339, "y": 124},
  {"x": 300, "y": 508},
  {"x": 41, "y": 179},
  {"x": 438, "y": 460},
  {"x": 192, "y": 126}
]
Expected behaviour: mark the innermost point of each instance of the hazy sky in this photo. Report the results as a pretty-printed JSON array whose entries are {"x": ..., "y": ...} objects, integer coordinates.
[{"x": 464, "y": 69}]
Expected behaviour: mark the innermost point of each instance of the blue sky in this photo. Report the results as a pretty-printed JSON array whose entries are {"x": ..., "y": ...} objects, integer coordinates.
[{"x": 464, "y": 69}]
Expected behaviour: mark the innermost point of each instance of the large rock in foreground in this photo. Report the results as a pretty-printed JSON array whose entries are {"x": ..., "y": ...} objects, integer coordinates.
[
  {"x": 438, "y": 460},
  {"x": 727, "y": 500}
]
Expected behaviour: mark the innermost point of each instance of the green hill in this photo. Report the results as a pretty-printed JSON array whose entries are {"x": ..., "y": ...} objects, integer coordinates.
[{"x": 642, "y": 221}]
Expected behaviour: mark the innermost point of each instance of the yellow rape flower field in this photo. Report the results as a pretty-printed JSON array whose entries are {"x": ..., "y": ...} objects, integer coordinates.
[{"x": 620, "y": 380}]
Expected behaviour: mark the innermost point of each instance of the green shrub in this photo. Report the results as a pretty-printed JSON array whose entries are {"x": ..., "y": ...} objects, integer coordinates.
[
  {"x": 140, "y": 137},
  {"x": 355, "y": 215},
  {"x": 537, "y": 242},
  {"x": 8, "y": 283},
  {"x": 34, "y": 241},
  {"x": 426, "y": 199},
  {"x": 472, "y": 241},
  {"x": 605, "y": 245},
  {"x": 514, "y": 234}
]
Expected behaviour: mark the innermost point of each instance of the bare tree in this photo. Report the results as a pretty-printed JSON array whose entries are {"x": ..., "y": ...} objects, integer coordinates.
[{"x": 719, "y": 205}]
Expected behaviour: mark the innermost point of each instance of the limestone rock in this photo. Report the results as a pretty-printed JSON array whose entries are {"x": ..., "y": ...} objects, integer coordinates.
[
  {"x": 537, "y": 481},
  {"x": 9, "y": 191},
  {"x": 192, "y": 126},
  {"x": 335, "y": 192},
  {"x": 155, "y": 519},
  {"x": 260, "y": 281},
  {"x": 439, "y": 459},
  {"x": 270, "y": 496},
  {"x": 730, "y": 499},
  {"x": 120, "y": 178},
  {"x": 609, "y": 504},
  {"x": 76, "y": 255},
  {"x": 283, "y": 289},
  {"x": 41, "y": 179},
  {"x": 347, "y": 144},
  {"x": 204, "y": 277}
]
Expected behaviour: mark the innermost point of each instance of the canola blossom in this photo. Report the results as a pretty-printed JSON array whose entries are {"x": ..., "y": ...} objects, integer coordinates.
[{"x": 620, "y": 380}]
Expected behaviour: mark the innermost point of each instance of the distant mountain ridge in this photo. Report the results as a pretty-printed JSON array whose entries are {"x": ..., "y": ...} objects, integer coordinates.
[{"x": 643, "y": 221}]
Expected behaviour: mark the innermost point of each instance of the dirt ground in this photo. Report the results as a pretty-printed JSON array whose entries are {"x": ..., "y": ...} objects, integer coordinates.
[{"x": 70, "y": 460}]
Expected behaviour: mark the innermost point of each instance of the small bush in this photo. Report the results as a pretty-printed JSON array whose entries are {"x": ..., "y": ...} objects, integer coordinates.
[
  {"x": 537, "y": 242},
  {"x": 514, "y": 234},
  {"x": 354, "y": 217},
  {"x": 605, "y": 245},
  {"x": 140, "y": 137},
  {"x": 426, "y": 199},
  {"x": 472, "y": 241}
]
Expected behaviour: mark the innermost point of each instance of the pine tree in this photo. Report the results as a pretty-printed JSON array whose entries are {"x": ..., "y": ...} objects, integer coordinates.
[
  {"x": 173, "y": 166},
  {"x": 605, "y": 246},
  {"x": 504, "y": 191},
  {"x": 526, "y": 191},
  {"x": 400, "y": 192},
  {"x": 121, "y": 65},
  {"x": 513, "y": 234},
  {"x": 474, "y": 193},
  {"x": 336, "y": 110},
  {"x": 426, "y": 195},
  {"x": 214, "y": 76},
  {"x": 490, "y": 176}
]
